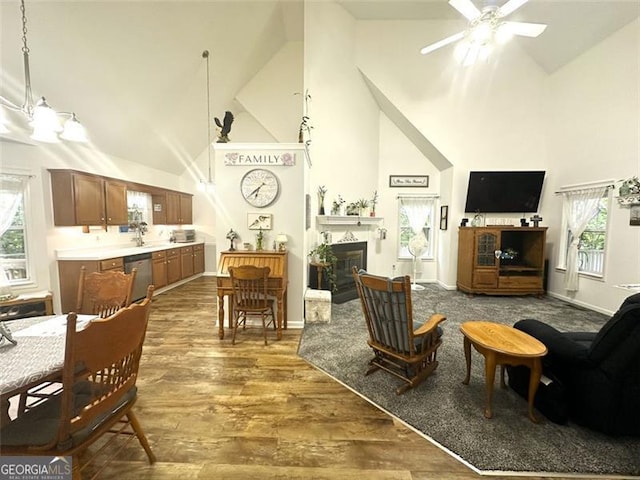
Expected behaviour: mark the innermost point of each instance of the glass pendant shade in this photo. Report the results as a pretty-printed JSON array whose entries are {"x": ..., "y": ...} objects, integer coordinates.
[
  {"x": 74, "y": 131},
  {"x": 44, "y": 117}
]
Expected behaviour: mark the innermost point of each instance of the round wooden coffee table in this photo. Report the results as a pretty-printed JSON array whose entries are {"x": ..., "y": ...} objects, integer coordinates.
[{"x": 503, "y": 345}]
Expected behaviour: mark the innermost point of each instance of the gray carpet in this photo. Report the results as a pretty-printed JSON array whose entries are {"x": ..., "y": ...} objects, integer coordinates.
[{"x": 451, "y": 413}]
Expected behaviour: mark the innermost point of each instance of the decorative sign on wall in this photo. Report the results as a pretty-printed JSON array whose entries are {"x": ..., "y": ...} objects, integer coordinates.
[
  {"x": 261, "y": 157},
  {"x": 408, "y": 180}
]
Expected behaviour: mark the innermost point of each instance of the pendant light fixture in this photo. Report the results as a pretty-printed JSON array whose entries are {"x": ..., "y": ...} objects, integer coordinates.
[
  {"x": 43, "y": 119},
  {"x": 208, "y": 185}
]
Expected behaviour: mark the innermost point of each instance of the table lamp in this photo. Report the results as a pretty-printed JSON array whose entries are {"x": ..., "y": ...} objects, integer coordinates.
[{"x": 281, "y": 240}]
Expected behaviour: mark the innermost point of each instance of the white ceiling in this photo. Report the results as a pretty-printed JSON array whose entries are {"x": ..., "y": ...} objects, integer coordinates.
[{"x": 134, "y": 72}]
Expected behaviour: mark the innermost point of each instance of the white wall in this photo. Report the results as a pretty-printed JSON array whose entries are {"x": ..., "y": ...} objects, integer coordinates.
[
  {"x": 593, "y": 132},
  {"x": 288, "y": 214}
]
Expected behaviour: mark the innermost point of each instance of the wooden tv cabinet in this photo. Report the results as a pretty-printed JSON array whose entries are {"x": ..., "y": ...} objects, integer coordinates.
[{"x": 501, "y": 260}]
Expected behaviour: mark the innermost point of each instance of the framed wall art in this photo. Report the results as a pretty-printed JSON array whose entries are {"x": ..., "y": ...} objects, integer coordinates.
[
  {"x": 257, "y": 221},
  {"x": 408, "y": 180},
  {"x": 444, "y": 217}
]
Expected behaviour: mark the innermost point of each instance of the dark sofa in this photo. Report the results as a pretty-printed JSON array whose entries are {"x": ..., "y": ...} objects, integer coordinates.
[{"x": 595, "y": 376}]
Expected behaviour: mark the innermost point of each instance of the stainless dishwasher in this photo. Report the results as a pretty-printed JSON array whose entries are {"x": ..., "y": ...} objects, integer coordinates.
[{"x": 144, "y": 275}]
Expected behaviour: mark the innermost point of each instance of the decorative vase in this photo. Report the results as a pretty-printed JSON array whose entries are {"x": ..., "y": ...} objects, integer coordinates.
[{"x": 321, "y": 212}]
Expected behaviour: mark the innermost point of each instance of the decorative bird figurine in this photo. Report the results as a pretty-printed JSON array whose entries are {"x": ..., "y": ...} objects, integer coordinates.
[{"x": 224, "y": 126}]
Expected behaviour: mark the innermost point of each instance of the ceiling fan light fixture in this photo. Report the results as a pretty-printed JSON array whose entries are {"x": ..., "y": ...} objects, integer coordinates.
[
  {"x": 485, "y": 30},
  {"x": 504, "y": 33}
]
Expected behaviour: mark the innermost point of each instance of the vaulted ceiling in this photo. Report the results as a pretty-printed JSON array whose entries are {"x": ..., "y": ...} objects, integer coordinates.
[{"x": 134, "y": 72}]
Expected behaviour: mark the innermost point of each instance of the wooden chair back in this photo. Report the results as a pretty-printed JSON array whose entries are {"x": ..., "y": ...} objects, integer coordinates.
[
  {"x": 388, "y": 311},
  {"x": 104, "y": 293},
  {"x": 249, "y": 285},
  {"x": 101, "y": 366}
]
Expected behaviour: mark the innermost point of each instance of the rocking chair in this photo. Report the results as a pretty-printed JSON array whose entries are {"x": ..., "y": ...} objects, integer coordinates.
[{"x": 402, "y": 348}]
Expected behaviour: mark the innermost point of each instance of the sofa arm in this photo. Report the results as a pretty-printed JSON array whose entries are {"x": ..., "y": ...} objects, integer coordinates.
[{"x": 561, "y": 348}]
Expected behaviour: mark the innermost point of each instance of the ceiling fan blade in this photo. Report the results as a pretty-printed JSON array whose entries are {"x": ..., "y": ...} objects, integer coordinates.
[
  {"x": 442, "y": 43},
  {"x": 510, "y": 6},
  {"x": 525, "y": 29},
  {"x": 466, "y": 8}
]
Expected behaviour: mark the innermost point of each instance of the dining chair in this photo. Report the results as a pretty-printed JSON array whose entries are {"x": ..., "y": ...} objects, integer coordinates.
[
  {"x": 250, "y": 299},
  {"x": 103, "y": 293},
  {"x": 98, "y": 392},
  {"x": 402, "y": 347},
  {"x": 99, "y": 293}
]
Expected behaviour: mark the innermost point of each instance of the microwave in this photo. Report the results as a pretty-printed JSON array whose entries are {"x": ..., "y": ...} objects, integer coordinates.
[{"x": 184, "y": 236}]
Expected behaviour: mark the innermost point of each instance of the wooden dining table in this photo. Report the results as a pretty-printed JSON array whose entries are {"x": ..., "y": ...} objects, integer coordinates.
[{"x": 36, "y": 358}]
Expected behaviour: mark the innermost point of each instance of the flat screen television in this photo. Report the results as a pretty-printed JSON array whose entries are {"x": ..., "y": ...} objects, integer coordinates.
[{"x": 504, "y": 192}]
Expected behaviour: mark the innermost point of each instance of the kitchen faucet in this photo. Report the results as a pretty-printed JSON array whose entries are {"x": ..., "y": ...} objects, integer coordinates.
[{"x": 139, "y": 227}]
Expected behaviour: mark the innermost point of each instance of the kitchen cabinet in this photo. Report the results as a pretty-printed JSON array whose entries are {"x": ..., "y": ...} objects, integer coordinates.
[
  {"x": 179, "y": 208},
  {"x": 174, "y": 265},
  {"x": 187, "y": 261},
  {"x": 69, "y": 276},
  {"x": 501, "y": 260},
  {"x": 85, "y": 199},
  {"x": 198, "y": 259},
  {"x": 159, "y": 269}
]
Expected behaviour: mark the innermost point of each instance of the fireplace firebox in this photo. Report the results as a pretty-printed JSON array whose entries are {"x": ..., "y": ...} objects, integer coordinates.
[{"x": 349, "y": 254}]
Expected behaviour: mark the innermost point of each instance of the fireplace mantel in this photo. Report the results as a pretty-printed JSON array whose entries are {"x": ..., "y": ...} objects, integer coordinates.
[{"x": 347, "y": 220}]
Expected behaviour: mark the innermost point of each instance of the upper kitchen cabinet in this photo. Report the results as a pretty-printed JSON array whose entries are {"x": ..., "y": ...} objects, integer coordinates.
[
  {"x": 172, "y": 208},
  {"x": 85, "y": 199}
]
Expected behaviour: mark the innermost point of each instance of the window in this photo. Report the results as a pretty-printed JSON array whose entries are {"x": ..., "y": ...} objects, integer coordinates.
[
  {"x": 415, "y": 214},
  {"x": 592, "y": 241},
  {"x": 14, "y": 259}
]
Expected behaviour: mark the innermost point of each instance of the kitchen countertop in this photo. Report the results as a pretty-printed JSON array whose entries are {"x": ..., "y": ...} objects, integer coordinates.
[{"x": 114, "y": 251}]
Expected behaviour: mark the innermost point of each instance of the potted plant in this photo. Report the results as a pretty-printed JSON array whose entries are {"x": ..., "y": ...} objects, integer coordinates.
[
  {"x": 337, "y": 205},
  {"x": 362, "y": 204},
  {"x": 326, "y": 260},
  {"x": 374, "y": 201}
]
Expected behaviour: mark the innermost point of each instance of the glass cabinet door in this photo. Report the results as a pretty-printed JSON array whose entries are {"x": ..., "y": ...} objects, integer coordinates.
[{"x": 486, "y": 245}]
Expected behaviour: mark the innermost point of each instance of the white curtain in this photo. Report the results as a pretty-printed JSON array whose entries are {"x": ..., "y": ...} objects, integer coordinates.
[
  {"x": 11, "y": 191},
  {"x": 579, "y": 207},
  {"x": 417, "y": 213}
]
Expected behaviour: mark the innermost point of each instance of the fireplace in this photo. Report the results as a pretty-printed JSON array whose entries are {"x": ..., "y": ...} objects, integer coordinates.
[{"x": 349, "y": 254}]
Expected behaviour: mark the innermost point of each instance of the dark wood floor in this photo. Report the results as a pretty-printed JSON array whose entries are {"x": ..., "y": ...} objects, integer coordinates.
[{"x": 212, "y": 410}]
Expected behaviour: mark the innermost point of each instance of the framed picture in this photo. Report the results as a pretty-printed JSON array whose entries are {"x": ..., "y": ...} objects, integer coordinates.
[
  {"x": 257, "y": 221},
  {"x": 408, "y": 180},
  {"x": 444, "y": 217}
]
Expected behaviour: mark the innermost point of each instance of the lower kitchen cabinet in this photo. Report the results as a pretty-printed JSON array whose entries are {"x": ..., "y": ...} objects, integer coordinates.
[
  {"x": 69, "y": 275},
  {"x": 174, "y": 267},
  {"x": 186, "y": 253},
  {"x": 159, "y": 269},
  {"x": 198, "y": 259}
]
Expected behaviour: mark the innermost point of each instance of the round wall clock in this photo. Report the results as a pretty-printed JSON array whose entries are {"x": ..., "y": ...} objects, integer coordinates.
[{"x": 260, "y": 187}]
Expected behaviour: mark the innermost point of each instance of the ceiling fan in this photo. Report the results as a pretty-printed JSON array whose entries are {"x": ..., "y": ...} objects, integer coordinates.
[{"x": 486, "y": 27}]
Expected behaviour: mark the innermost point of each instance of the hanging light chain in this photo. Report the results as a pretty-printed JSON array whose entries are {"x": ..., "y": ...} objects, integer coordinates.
[
  {"x": 25, "y": 48},
  {"x": 205, "y": 54}
]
